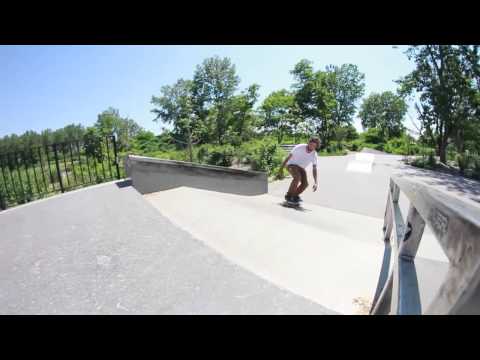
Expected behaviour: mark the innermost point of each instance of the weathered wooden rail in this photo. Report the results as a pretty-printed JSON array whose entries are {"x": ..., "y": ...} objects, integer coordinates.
[{"x": 456, "y": 226}]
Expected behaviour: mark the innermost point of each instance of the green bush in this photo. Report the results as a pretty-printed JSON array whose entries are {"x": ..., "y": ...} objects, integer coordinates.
[
  {"x": 451, "y": 153},
  {"x": 219, "y": 155},
  {"x": 476, "y": 167},
  {"x": 357, "y": 145},
  {"x": 396, "y": 146},
  {"x": 337, "y": 153},
  {"x": 418, "y": 162},
  {"x": 262, "y": 155},
  {"x": 177, "y": 155},
  {"x": 427, "y": 160},
  {"x": 403, "y": 145},
  {"x": 414, "y": 149},
  {"x": 371, "y": 139},
  {"x": 290, "y": 139},
  {"x": 268, "y": 157},
  {"x": 372, "y": 136},
  {"x": 202, "y": 154},
  {"x": 431, "y": 160},
  {"x": 463, "y": 162},
  {"x": 379, "y": 147},
  {"x": 145, "y": 142},
  {"x": 246, "y": 152},
  {"x": 334, "y": 148},
  {"x": 352, "y": 146}
]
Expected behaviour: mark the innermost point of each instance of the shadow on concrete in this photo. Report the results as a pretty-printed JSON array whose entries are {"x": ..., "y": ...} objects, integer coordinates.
[
  {"x": 373, "y": 151},
  {"x": 124, "y": 183},
  {"x": 297, "y": 208},
  {"x": 398, "y": 164},
  {"x": 465, "y": 186}
]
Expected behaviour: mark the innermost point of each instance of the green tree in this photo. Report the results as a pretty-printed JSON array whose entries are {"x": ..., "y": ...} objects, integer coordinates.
[
  {"x": 107, "y": 121},
  {"x": 299, "y": 126},
  {"x": 373, "y": 136},
  {"x": 93, "y": 143},
  {"x": 471, "y": 62},
  {"x": 176, "y": 107},
  {"x": 346, "y": 133},
  {"x": 30, "y": 139},
  {"x": 146, "y": 142},
  {"x": 277, "y": 109},
  {"x": 73, "y": 132},
  {"x": 47, "y": 137},
  {"x": 385, "y": 112},
  {"x": 315, "y": 99},
  {"x": 110, "y": 123},
  {"x": 214, "y": 84},
  {"x": 347, "y": 84},
  {"x": 240, "y": 114},
  {"x": 10, "y": 143},
  {"x": 446, "y": 77},
  {"x": 59, "y": 136}
]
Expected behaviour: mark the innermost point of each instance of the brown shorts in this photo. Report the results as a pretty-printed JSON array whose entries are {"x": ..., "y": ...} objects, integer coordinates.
[{"x": 299, "y": 177}]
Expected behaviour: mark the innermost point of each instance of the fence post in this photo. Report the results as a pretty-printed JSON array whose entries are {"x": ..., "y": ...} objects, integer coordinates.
[
  {"x": 3, "y": 203},
  {"x": 116, "y": 156},
  {"x": 108, "y": 157},
  {"x": 3, "y": 196},
  {"x": 58, "y": 167}
]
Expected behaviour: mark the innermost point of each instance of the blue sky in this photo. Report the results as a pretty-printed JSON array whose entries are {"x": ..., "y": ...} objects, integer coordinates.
[{"x": 53, "y": 86}]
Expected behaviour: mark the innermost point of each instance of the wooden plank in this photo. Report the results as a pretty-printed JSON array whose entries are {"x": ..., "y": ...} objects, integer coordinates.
[
  {"x": 414, "y": 231},
  {"x": 456, "y": 225}
]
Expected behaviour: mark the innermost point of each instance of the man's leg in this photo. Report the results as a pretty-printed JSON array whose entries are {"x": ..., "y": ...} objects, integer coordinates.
[
  {"x": 303, "y": 181},
  {"x": 292, "y": 190}
]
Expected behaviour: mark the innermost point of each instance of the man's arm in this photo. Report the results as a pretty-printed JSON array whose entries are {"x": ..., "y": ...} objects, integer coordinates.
[
  {"x": 314, "y": 171},
  {"x": 285, "y": 161},
  {"x": 280, "y": 171}
]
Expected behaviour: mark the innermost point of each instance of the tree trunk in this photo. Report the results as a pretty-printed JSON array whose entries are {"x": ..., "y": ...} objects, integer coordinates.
[
  {"x": 442, "y": 148},
  {"x": 219, "y": 136},
  {"x": 443, "y": 154},
  {"x": 322, "y": 133},
  {"x": 189, "y": 144},
  {"x": 3, "y": 204},
  {"x": 460, "y": 142},
  {"x": 219, "y": 128}
]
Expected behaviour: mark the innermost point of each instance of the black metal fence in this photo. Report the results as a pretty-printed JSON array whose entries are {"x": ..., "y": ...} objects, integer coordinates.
[{"x": 41, "y": 171}]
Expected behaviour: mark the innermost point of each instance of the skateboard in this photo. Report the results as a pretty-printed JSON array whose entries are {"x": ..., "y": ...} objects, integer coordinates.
[{"x": 291, "y": 204}]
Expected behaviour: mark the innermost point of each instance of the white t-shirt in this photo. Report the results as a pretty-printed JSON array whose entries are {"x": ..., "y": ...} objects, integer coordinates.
[{"x": 301, "y": 157}]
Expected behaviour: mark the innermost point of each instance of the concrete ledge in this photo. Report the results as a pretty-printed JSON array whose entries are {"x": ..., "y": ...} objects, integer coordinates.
[{"x": 151, "y": 175}]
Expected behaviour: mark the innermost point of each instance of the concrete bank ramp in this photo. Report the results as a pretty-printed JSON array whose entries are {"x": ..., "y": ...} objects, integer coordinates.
[
  {"x": 328, "y": 256},
  {"x": 105, "y": 250}
]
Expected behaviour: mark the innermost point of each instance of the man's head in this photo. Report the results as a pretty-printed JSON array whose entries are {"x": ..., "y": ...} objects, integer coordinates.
[{"x": 313, "y": 143}]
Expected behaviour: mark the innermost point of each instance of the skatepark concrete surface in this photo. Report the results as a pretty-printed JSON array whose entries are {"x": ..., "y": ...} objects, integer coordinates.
[
  {"x": 107, "y": 249},
  {"x": 327, "y": 256}
]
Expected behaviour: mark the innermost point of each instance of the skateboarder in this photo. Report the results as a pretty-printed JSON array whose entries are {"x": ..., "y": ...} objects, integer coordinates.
[{"x": 299, "y": 158}]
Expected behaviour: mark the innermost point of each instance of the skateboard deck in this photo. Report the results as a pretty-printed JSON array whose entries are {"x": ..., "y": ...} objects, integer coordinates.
[{"x": 291, "y": 204}]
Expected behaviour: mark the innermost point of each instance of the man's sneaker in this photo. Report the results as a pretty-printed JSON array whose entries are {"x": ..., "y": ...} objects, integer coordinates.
[
  {"x": 298, "y": 198},
  {"x": 290, "y": 199}
]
